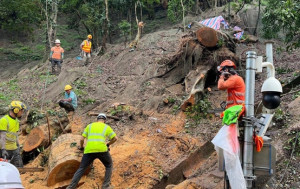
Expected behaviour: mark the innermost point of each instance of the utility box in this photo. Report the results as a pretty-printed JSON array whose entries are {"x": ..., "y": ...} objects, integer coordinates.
[{"x": 264, "y": 162}]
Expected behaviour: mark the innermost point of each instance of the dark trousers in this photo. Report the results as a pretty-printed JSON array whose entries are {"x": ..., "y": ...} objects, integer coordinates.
[
  {"x": 56, "y": 62},
  {"x": 14, "y": 157},
  {"x": 66, "y": 105},
  {"x": 86, "y": 161}
]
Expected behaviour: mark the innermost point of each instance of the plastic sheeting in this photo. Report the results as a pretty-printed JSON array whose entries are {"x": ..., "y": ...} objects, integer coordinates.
[
  {"x": 226, "y": 139},
  {"x": 217, "y": 22}
]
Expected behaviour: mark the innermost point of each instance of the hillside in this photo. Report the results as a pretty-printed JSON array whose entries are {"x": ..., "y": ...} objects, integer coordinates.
[{"x": 159, "y": 146}]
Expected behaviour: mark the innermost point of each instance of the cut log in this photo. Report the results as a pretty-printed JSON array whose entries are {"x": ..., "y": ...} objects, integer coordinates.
[
  {"x": 30, "y": 169},
  {"x": 64, "y": 159},
  {"x": 226, "y": 38},
  {"x": 207, "y": 36},
  {"x": 38, "y": 136},
  {"x": 108, "y": 116}
]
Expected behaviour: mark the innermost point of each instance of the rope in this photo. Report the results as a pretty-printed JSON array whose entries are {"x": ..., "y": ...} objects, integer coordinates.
[{"x": 297, "y": 136}]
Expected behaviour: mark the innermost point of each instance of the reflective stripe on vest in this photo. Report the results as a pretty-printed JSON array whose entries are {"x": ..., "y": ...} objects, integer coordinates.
[
  {"x": 11, "y": 133},
  {"x": 100, "y": 137},
  {"x": 239, "y": 94},
  {"x": 229, "y": 102},
  {"x": 87, "y": 46}
]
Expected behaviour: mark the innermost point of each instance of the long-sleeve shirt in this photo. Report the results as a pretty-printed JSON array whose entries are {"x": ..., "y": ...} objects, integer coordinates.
[{"x": 235, "y": 87}]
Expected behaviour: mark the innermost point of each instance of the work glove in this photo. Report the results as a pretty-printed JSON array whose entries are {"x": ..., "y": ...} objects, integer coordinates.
[
  {"x": 80, "y": 148},
  {"x": 62, "y": 61},
  {"x": 4, "y": 154},
  {"x": 108, "y": 149}
]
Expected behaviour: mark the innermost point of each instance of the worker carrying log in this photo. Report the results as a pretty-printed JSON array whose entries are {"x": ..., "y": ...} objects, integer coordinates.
[
  {"x": 56, "y": 57},
  {"x": 10, "y": 176},
  {"x": 96, "y": 148},
  {"x": 69, "y": 103},
  {"x": 86, "y": 47},
  {"x": 234, "y": 84},
  {"x": 9, "y": 128}
]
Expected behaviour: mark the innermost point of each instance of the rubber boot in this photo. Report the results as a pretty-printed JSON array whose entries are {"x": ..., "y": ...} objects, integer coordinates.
[
  {"x": 53, "y": 70},
  {"x": 58, "y": 69},
  {"x": 68, "y": 128},
  {"x": 70, "y": 116}
]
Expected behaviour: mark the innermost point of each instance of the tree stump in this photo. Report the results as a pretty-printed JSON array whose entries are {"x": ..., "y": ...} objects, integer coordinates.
[
  {"x": 38, "y": 136},
  {"x": 64, "y": 159},
  {"x": 207, "y": 36}
]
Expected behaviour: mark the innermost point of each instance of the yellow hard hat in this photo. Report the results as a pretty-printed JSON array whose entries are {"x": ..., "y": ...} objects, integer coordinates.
[
  {"x": 16, "y": 106},
  {"x": 90, "y": 36},
  {"x": 68, "y": 87}
]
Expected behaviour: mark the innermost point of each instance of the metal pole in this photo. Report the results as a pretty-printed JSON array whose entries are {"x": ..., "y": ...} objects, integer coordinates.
[
  {"x": 269, "y": 54},
  {"x": 248, "y": 131}
]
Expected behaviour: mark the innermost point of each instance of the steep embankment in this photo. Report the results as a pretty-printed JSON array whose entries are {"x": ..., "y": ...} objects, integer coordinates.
[
  {"x": 158, "y": 145},
  {"x": 155, "y": 146}
]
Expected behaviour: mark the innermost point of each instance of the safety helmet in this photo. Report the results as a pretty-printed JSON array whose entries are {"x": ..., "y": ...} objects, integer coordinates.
[
  {"x": 228, "y": 63},
  {"x": 57, "y": 41},
  {"x": 89, "y": 36},
  {"x": 68, "y": 87},
  {"x": 101, "y": 116},
  {"x": 10, "y": 176},
  {"x": 16, "y": 106}
]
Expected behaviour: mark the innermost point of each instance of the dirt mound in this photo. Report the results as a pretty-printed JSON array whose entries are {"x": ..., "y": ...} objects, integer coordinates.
[{"x": 155, "y": 138}]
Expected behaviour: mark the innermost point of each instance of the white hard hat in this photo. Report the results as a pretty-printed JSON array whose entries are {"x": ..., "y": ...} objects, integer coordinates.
[
  {"x": 10, "y": 176},
  {"x": 57, "y": 41},
  {"x": 101, "y": 116}
]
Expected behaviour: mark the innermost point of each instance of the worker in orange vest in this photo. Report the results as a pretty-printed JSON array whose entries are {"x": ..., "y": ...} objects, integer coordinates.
[
  {"x": 232, "y": 82},
  {"x": 56, "y": 56},
  {"x": 86, "y": 47}
]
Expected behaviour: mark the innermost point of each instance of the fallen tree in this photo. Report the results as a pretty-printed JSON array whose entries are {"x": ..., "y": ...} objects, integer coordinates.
[
  {"x": 64, "y": 159},
  {"x": 38, "y": 137}
]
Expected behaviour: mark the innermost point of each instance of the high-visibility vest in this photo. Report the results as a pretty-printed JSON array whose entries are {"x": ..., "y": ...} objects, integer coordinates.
[
  {"x": 57, "y": 52},
  {"x": 12, "y": 128},
  {"x": 87, "y": 46},
  {"x": 96, "y": 134},
  {"x": 235, "y": 86}
]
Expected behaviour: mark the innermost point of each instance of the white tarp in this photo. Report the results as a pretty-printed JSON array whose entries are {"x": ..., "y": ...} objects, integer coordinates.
[{"x": 226, "y": 139}]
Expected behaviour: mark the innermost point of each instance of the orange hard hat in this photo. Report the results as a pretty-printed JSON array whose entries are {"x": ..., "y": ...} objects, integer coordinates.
[{"x": 226, "y": 63}]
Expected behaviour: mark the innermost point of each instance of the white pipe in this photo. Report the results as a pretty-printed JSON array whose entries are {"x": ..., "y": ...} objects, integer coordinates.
[
  {"x": 269, "y": 54},
  {"x": 248, "y": 130},
  {"x": 270, "y": 67}
]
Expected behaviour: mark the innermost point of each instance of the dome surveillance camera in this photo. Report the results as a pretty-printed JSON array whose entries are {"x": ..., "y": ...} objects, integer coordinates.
[{"x": 271, "y": 90}]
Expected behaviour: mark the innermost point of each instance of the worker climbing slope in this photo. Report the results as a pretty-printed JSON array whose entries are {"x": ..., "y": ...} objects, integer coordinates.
[
  {"x": 86, "y": 47},
  {"x": 232, "y": 82},
  {"x": 9, "y": 128},
  {"x": 56, "y": 57},
  {"x": 96, "y": 148}
]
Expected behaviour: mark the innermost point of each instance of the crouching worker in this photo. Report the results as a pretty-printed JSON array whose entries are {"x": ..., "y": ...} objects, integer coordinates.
[
  {"x": 69, "y": 103},
  {"x": 96, "y": 148},
  {"x": 9, "y": 128}
]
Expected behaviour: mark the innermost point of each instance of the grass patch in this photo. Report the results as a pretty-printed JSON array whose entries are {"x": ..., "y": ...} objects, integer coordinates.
[{"x": 199, "y": 111}]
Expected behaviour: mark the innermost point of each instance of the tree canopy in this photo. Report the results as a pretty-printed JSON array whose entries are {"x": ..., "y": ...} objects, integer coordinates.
[
  {"x": 283, "y": 16},
  {"x": 19, "y": 15}
]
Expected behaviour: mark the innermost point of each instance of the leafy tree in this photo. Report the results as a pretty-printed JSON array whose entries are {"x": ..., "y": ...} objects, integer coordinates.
[
  {"x": 283, "y": 16},
  {"x": 124, "y": 26},
  {"x": 149, "y": 6},
  {"x": 19, "y": 15},
  {"x": 175, "y": 10}
]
